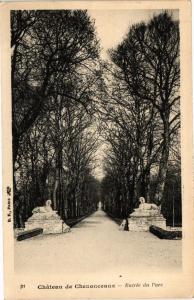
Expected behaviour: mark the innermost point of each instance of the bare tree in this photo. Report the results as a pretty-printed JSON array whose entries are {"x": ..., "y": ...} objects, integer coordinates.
[
  {"x": 54, "y": 73},
  {"x": 148, "y": 62},
  {"x": 45, "y": 45}
]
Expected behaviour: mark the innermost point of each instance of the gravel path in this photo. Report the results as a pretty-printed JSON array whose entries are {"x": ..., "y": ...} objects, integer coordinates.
[{"x": 96, "y": 245}]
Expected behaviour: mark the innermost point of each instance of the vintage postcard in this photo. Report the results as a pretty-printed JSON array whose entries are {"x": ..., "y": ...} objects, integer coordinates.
[{"x": 97, "y": 150}]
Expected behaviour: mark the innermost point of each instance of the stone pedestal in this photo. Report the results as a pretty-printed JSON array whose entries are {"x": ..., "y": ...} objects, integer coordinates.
[
  {"x": 141, "y": 220},
  {"x": 49, "y": 221}
]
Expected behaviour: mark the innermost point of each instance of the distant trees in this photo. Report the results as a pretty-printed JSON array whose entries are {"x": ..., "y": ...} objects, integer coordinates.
[
  {"x": 142, "y": 104},
  {"x": 54, "y": 73},
  {"x": 56, "y": 160}
]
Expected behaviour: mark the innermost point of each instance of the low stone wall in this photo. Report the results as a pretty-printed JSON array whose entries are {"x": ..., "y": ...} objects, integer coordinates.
[{"x": 166, "y": 234}]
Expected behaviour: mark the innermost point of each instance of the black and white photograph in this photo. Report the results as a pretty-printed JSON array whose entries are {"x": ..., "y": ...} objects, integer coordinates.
[{"x": 96, "y": 126}]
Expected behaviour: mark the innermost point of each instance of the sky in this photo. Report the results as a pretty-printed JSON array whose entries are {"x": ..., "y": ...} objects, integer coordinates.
[
  {"x": 112, "y": 25},
  {"x": 111, "y": 28}
]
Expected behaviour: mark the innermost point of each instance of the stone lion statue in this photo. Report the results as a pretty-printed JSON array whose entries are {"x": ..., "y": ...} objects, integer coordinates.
[
  {"x": 43, "y": 209},
  {"x": 148, "y": 206}
]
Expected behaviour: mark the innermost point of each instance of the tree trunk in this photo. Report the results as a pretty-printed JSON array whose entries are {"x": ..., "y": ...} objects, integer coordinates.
[
  {"x": 163, "y": 165},
  {"x": 15, "y": 147},
  {"x": 145, "y": 185},
  {"x": 55, "y": 192},
  {"x": 58, "y": 176}
]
